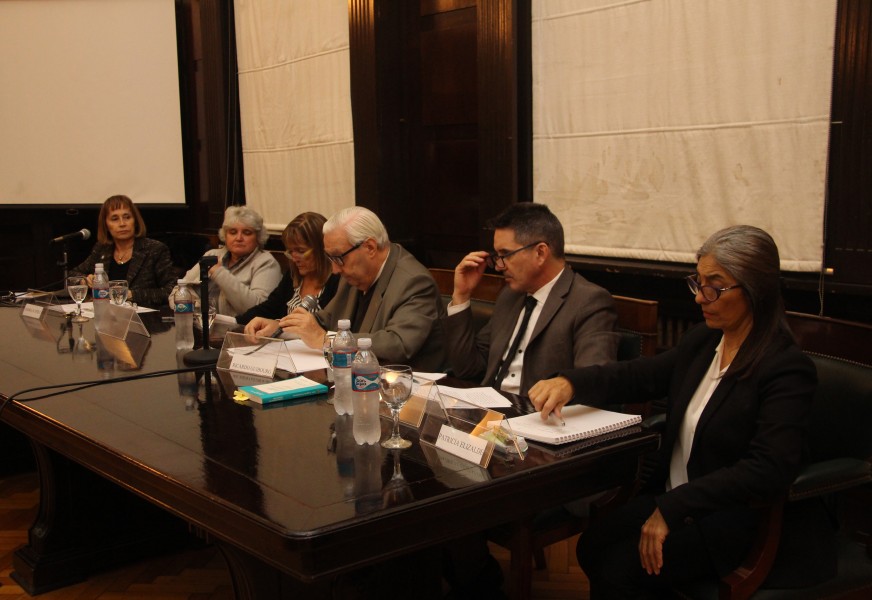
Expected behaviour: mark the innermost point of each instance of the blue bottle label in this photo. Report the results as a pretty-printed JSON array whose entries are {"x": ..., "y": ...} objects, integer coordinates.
[
  {"x": 364, "y": 382},
  {"x": 100, "y": 293},
  {"x": 342, "y": 360},
  {"x": 184, "y": 307}
]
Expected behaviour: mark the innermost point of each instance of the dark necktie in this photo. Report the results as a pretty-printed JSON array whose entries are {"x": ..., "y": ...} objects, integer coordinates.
[{"x": 529, "y": 305}]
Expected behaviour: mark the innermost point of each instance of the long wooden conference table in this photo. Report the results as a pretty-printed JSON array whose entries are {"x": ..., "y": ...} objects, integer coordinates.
[{"x": 128, "y": 468}]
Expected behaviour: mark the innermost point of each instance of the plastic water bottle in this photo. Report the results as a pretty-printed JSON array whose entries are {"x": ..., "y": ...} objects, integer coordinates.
[
  {"x": 100, "y": 291},
  {"x": 183, "y": 309},
  {"x": 365, "y": 394},
  {"x": 344, "y": 349}
]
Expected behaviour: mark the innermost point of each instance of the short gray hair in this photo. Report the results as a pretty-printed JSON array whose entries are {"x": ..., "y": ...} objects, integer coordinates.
[
  {"x": 359, "y": 224},
  {"x": 249, "y": 218}
]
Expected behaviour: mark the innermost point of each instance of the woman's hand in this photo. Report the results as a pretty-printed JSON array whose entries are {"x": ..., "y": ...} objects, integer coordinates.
[
  {"x": 261, "y": 326},
  {"x": 654, "y": 532},
  {"x": 551, "y": 395},
  {"x": 303, "y": 323}
]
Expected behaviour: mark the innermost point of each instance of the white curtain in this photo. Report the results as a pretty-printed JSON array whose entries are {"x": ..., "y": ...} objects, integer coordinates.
[
  {"x": 295, "y": 107},
  {"x": 658, "y": 122}
]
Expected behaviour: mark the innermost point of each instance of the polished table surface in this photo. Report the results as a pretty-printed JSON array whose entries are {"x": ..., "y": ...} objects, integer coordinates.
[{"x": 284, "y": 485}]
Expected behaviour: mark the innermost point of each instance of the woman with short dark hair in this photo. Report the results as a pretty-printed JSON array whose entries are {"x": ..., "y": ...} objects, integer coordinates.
[{"x": 127, "y": 254}]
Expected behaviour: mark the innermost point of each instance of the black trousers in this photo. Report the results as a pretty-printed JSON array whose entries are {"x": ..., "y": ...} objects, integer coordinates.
[{"x": 608, "y": 551}]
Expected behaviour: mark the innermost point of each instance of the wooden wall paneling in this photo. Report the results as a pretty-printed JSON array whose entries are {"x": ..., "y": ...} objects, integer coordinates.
[
  {"x": 849, "y": 216},
  {"x": 498, "y": 106},
  {"x": 446, "y": 131}
]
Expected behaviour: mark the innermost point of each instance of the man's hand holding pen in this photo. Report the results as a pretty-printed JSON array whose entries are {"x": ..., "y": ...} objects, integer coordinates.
[{"x": 550, "y": 396}]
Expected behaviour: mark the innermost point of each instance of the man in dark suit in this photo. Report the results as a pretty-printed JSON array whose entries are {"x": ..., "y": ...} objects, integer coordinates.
[
  {"x": 386, "y": 293},
  {"x": 571, "y": 323},
  {"x": 546, "y": 318}
]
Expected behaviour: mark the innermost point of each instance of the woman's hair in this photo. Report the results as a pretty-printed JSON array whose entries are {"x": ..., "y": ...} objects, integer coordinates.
[
  {"x": 305, "y": 230},
  {"x": 359, "y": 224},
  {"x": 249, "y": 218},
  {"x": 114, "y": 203},
  {"x": 750, "y": 255}
]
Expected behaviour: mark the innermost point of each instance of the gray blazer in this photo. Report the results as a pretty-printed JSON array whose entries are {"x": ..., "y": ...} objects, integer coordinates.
[
  {"x": 575, "y": 328},
  {"x": 403, "y": 317}
]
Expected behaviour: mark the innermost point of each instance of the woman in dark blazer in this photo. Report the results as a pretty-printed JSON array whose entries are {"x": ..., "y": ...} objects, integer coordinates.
[
  {"x": 126, "y": 253},
  {"x": 738, "y": 391}
]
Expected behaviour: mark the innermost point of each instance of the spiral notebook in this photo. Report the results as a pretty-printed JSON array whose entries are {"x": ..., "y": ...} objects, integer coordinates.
[{"x": 581, "y": 422}]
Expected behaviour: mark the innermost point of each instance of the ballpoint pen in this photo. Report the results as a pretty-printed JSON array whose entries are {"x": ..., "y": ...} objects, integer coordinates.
[{"x": 560, "y": 419}]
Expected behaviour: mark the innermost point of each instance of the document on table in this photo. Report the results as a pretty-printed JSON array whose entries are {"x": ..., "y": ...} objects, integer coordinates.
[
  {"x": 482, "y": 397},
  {"x": 88, "y": 309},
  {"x": 304, "y": 358}
]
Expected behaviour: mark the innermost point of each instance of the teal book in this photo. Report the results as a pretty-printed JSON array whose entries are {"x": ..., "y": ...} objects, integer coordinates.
[{"x": 287, "y": 389}]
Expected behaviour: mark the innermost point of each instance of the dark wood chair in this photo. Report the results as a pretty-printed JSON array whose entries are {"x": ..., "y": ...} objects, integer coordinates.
[
  {"x": 526, "y": 540},
  {"x": 483, "y": 297},
  {"x": 841, "y": 448}
]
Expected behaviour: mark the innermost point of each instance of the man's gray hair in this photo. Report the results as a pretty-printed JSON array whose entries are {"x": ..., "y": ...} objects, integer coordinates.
[
  {"x": 359, "y": 224},
  {"x": 249, "y": 218}
]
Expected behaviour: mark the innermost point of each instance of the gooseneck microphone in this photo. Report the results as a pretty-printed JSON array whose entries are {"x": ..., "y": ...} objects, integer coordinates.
[{"x": 82, "y": 234}]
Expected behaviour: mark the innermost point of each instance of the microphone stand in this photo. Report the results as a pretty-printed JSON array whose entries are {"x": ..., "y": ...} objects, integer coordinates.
[
  {"x": 64, "y": 262},
  {"x": 205, "y": 355}
]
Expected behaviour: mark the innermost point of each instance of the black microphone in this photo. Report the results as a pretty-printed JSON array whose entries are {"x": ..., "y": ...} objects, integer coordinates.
[{"x": 83, "y": 234}]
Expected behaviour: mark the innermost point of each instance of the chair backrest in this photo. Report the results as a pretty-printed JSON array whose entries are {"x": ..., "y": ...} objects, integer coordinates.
[
  {"x": 841, "y": 419},
  {"x": 282, "y": 259},
  {"x": 483, "y": 297},
  {"x": 840, "y": 424},
  {"x": 637, "y": 324},
  {"x": 824, "y": 336}
]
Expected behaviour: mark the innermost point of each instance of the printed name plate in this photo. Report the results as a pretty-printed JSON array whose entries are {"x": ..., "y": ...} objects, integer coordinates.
[
  {"x": 33, "y": 310},
  {"x": 466, "y": 446},
  {"x": 253, "y": 364}
]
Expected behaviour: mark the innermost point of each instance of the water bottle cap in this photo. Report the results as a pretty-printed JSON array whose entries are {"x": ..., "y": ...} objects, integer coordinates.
[
  {"x": 98, "y": 267},
  {"x": 344, "y": 323},
  {"x": 364, "y": 343}
]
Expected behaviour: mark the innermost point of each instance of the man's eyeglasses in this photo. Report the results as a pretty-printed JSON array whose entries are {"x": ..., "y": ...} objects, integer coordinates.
[
  {"x": 709, "y": 292},
  {"x": 339, "y": 259},
  {"x": 498, "y": 261}
]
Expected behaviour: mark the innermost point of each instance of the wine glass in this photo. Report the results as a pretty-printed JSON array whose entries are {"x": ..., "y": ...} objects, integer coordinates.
[
  {"x": 198, "y": 316},
  {"x": 118, "y": 290},
  {"x": 77, "y": 287},
  {"x": 396, "y": 387},
  {"x": 397, "y": 490}
]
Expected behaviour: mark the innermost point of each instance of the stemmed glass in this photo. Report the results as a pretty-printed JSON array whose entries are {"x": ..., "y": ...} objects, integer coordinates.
[
  {"x": 198, "y": 316},
  {"x": 118, "y": 290},
  {"x": 397, "y": 490},
  {"x": 396, "y": 387},
  {"x": 77, "y": 287}
]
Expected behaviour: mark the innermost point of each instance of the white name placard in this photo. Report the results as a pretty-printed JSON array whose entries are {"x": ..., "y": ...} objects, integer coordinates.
[
  {"x": 262, "y": 366},
  {"x": 34, "y": 311},
  {"x": 464, "y": 445}
]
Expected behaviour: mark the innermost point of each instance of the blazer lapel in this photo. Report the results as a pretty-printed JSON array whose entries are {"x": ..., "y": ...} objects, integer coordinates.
[
  {"x": 378, "y": 291},
  {"x": 695, "y": 372},
  {"x": 135, "y": 261},
  {"x": 553, "y": 303}
]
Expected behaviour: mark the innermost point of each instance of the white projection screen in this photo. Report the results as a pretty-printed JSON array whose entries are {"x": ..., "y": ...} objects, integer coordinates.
[{"x": 89, "y": 102}]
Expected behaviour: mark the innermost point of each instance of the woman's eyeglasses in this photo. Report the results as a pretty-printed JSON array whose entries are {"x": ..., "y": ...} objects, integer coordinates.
[
  {"x": 298, "y": 252},
  {"x": 709, "y": 292}
]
